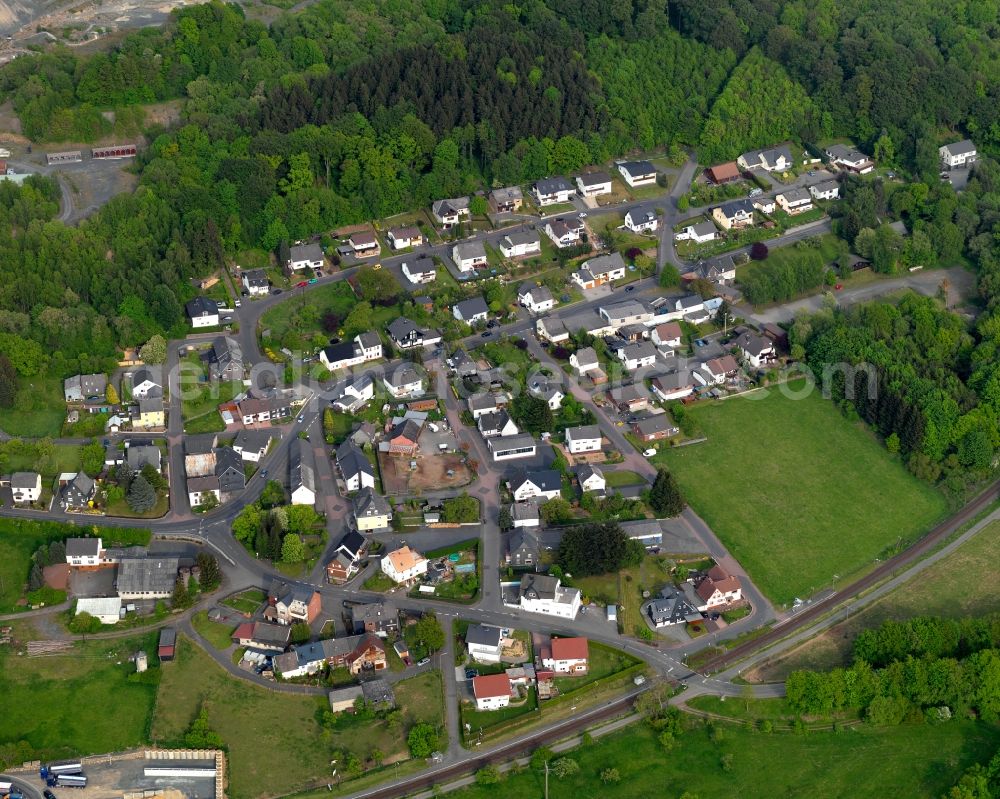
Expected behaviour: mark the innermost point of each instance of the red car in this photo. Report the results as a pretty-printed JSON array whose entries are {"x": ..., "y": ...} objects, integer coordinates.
[
  {"x": 838, "y": 287},
  {"x": 302, "y": 285}
]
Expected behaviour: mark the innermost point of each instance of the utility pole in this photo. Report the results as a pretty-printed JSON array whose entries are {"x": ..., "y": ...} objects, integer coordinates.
[{"x": 546, "y": 779}]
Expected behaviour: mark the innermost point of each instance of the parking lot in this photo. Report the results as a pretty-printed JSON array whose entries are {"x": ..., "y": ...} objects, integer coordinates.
[{"x": 114, "y": 778}]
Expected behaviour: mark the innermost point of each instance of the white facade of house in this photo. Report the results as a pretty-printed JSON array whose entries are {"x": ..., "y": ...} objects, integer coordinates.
[
  {"x": 593, "y": 482},
  {"x": 565, "y": 605},
  {"x": 508, "y": 448},
  {"x": 593, "y": 185},
  {"x": 417, "y": 274},
  {"x": 958, "y": 154},
  {"x": 583, "y": 439},
  {"x": 638, "y": 173}
]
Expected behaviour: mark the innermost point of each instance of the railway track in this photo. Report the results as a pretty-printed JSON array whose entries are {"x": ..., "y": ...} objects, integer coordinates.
[
  {"x": 499, "y": 755},
  {"x": 905, "y": 558}
]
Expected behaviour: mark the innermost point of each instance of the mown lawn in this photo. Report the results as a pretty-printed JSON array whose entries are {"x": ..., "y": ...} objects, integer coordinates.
[
  {"x": 294, "y": 322},
  {"x": 798, "y": 494},
  {"x": 81, "y": 702},
  {"x": 218, "y": 635},
  {"x": 65, "y": 458},
  {"x": 262, "y": 728},
  {"x": 918, "y": 762}
]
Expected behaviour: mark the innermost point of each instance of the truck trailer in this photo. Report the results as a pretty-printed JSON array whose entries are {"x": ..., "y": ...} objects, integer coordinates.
[
  {"x": 53, "y": 770},
  {"x": 71, "y": 781}
]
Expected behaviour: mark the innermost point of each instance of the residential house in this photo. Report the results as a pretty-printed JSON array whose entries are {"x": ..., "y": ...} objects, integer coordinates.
[
  {"x": 375, "y": 618},
  {"x": 346, "y": 557},
  {"x": 76, "y": 492},
  {"x": 542, "y": 593},
  {"x": 344, "y": 699},
  {"x": 402, "y": 237},
  {"x": 355, "y": 467},
  {"x": 638, "y": 173},
  {"x": 483, "y": 642},
  {"x": 199, "y": 455},
  {"x": 229, "y": 470},
  {"x": 756, "y": 350},
  {"x": 734, "y": 214},
  {"x": 585, "y": 438},
  {"x": 958, "y": 154},
  {"x": 667, "y": 335},
  {"x": 543, "y": 483},
  {"x": 794, "y": 201},
  {"x": 402, "y": 438},
  {"x": 371, "y": 511},
  {"x": 421, "y": 269},
  {"x": 469, "y": 255},
  {"x": 486, "y": 402},
  {"x": 202, "y": 312},
  {"x": 655, "y": 427},
  {"x": 471, "y": 311},
  {"x": 566, "y": 656},
  {"x": 252, "y": 445},
  {"x": 642, "y": 219},
  {"x": 584, "y": 360},
  {"x": 775, "y": 159},
  {"x": 83, "y": 552},
  {"x": 358, "y": 654},
  {"x": 496, "y": 423},
  {"x": 291, "y": 603},
  {"x": 405, "y": 334},
  {"x": 564, "y": 232},
  {"x": 403, "y": 381},
  {"x": 718, "y": 370},
  {"x": 522, "y": 546},
  {"x": 225, "y": 359},
  {"x": 145, "y": 384},
  {"x": 721, "y": 271},
  {"x": 548, "y": 390},
  {"x": 85, "y": 388},
  {"x": 263, "y": 636},
  {"x": 827, "y": 190},
  {"x": 505, "y": 448},
  {"x": 638, "y": 355},
  {"x": 673, "y": 385},
  {"x": 591, "y": 479},
  {"x": 718, "y": 589},
  {"x": 670, "y": 608},
  {"x": 26, "y": 487},
  {"x": 628, "y": 312},
  {"x": 698, "y": 233},
  {"x": 305, "y": 256},
  {"x": 139, "y": 455},
  {"x": 364, "y": 244},
  {"x": 848, "y": 158},
  {"x": 356, "y": 394},
  {"x": 256, "y": 408},
  {"x": 723, "y": 173},
  {"x": 199, "y": 489},
  {"x": 506, "y": 201},
  {"x": 600, "y": 270},
  {"x": 630, "y": 398},
  {"x": 149, "y": 413},
  {"x": 146, "y": 578},
  {"x": 593, "y": 184},
  {"x": 552, "y": 191},
  {"x": 449, "y": 213},
  {"x": 255, "y": 282},
  {"x": 525, "y": 514},
  {"x": 552, "y": 329},
  {"x": 536, "y": 299},
  {"x": 404, "y": 564},
  {"x": 520, "y": 244},
  {"x": 764, "y": 204},
  {"x": 362, "y": 348},
  {"x": 492, "y": 691},
  {"x": 302, "y": 472}
]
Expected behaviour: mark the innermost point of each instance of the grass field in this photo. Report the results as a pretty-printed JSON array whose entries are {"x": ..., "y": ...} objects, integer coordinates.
[
  {"x": 617, "y": 478},
  {"x": 918, "y": 762},
  {"x": 218, "y": 635},
  {"x": 246, "y": 602},
  {"x": 65, "y": 458},
  {"x": 943, "y": 589},
  {"x": 60, "y": 704},
  {"x": 797, "y": 505},
  {"x": 18, "y": 541},
  {"x": 293, "y": 323},
  {"x": 47, "y": 409},
  {"x": 263, "y": 728}
]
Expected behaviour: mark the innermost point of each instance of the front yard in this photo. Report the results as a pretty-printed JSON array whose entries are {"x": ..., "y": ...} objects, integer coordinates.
[{"x": 799, "y": 495}]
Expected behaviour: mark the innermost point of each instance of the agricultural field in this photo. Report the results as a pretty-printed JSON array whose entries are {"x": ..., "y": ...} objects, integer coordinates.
[
  {"x": 796, "y": 506},
  {"x": 285, "y": 727},
  {"x": 942, "y": 589},
  {"x": 915, "y": 761}
]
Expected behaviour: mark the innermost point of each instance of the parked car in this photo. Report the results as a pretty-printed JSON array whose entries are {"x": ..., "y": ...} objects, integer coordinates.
[
  {"x": 302, "y": 284},
  {"x": 486, "y": 334},
  {"x": 630, "y": 288},
  {"x": 276, "y": 291},
  {"x": 470, "y": 673},
  {"x": 423, "y": 661},
  {"x": 756, "y": 192},
  {"x": 237, "y": 304},
  {"x": 648, "y": 453}
]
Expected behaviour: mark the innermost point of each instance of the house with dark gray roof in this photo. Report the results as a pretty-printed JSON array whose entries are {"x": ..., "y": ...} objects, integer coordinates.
[
  {"x": 471, "y": 310},
  {"x": 302, "y": 472},
  {"x": 225, "y": 359},
  {"x": 355, "y": 467},
  {"x": 151, "y": 577},
  {"x": 76, "y": 492},
  {"x": 552, "y": 191}
]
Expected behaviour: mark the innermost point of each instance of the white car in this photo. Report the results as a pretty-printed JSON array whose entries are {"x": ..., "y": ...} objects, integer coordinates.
[{"x": 649, "y": 453}]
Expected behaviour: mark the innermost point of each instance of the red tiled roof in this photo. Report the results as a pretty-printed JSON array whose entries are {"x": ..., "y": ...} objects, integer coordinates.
[
  {"x": 726, "y": 171},
  {"x": 243, "y": 632},
  {"x": 569, "y": 649},
  {"x": 491, "y": 685}
]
